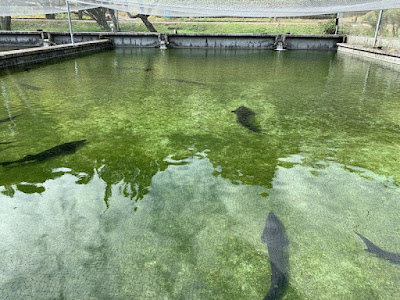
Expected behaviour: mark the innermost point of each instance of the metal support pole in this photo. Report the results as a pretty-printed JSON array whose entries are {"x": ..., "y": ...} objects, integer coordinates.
[
  {"x": 116, "y": 16},
  {"x": 337, "y": 23},
  {"x": 377, "y": 27},
  {"x": 70, "y": 24}
]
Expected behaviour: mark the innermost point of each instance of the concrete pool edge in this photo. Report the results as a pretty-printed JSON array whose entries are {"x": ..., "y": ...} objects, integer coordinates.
[
  {"x": 379, "y": 54},
  {"x": 37, "y": 55},
  {"x": 263, "y": 41}
]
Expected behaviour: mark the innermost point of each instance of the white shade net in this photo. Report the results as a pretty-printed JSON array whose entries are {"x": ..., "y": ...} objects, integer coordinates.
[{"x": 199, "y": 8}]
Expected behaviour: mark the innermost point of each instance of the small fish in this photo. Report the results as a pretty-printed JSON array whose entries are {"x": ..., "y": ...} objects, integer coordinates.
[
  {"x": 133, "y": 68},
  {"x": 187, "y": 81},
  {"x": 5, "y": 143},
  {"x": 30, "y": 87},
  {"x": 246, "y": 118},
  {"x": 275, "y": 237},
  {"x": 394, "y": 258},
  {"x": 9, "y": 118},
  {"x": 66, "y": 148}
]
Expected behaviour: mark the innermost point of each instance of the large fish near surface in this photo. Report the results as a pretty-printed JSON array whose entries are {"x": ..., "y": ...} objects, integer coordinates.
[
  {"x": 9, "y": 119},
  {"x": 372, "y": 248},
  {"x": 275, "y": 237},
  {"x": 246, "y": 117},
  {"x": 66, "y": 148}
]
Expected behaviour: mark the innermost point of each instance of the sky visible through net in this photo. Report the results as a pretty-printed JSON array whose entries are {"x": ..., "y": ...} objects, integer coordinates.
[{"x": 200, "y": 8}]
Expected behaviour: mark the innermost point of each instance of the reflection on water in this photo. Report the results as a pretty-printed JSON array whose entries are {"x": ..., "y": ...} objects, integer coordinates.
[{"x": 168, "y": 198}]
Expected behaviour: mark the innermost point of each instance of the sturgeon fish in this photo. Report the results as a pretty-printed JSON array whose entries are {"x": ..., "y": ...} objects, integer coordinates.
[
  {"x": 275, "y": 237},
  {"x": 394, "y": 258},
  {"x": 136, "y": 69},
  {"x": 66, "y": 148},
  {"x": 245, "y": 117},
  {"x": 187, "y": 81},
  {"x": 9, "y": 118},
  {"x": 30, "y": 87}
]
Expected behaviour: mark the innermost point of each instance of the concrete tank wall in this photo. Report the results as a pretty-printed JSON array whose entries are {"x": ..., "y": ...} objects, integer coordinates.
[
  {"x": 23, "y": 57},
  {"x": 134, "y": 39}
]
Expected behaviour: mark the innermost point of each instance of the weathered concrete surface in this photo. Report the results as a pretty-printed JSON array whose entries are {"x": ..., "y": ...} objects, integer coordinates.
[
  {"x": 17, "y": 38},
  {"x": 18, "y": 58},
  {"x": 384, "y": 55},
  {"x": 134, "y": 39},
  {"x": 232, "y": 41},
  {"x": 312, "y": 42}
]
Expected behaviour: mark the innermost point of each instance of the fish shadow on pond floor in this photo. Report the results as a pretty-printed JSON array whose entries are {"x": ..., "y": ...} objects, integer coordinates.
[
  {"x": 9, "y": 119},
  {"x": 394, "y": 258},
  {"x": 274, "y": 236},
  {"x": 187, "y": 81},
  {"x": 246, "y": 118},
  {"x": 135, "y": 69},
  {"x": 59, "y": 150},
  {"x": 30, "y": 87}
]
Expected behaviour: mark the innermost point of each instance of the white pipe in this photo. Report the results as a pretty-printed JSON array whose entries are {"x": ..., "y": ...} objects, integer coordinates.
[
  {"x": 70, "y": 24},
  {"x": 377, "y": 27}
]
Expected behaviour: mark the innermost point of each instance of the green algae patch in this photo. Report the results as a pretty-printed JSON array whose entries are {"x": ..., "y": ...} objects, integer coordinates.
[{"x": 168, "y": 197}]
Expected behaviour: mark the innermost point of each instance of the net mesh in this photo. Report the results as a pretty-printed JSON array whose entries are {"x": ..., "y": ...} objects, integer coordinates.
[
  {"x": 200, "y": 8},
  {"x": 359, "y": 27}
]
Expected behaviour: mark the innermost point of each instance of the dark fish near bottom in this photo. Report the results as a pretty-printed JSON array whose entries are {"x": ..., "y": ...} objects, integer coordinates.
[
  {"x": 246, "y": 117},
  {"x": 66, "y": 148},
  {"x": 5, "y": 143},
  {"x": 30, "y": 87},
  {"x": 372, "y": 248},
  {"x": 187, "y": 81},
  {"x": 135, "y": 69},
  {"x": 275, "y": 237},
  {"x": 9, "y": 118}
]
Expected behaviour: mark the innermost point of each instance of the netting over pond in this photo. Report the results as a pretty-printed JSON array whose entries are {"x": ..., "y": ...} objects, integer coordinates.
[{"x": 182, "y": 8}]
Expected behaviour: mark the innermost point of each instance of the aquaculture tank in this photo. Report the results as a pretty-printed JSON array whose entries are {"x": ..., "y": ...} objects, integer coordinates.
[{"x": 200, "y": 174}]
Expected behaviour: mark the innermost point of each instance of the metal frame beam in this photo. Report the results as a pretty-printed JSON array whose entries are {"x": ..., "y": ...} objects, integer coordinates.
[
  {"x": 377, "y": 27},
  {"x": 70, "y": 24}
]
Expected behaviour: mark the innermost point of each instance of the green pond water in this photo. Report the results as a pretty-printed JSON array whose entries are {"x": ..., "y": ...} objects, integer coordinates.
[{"x": 169, "y": 196}]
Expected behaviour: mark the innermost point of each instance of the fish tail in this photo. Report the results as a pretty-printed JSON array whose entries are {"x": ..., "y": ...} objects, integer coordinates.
[{"x": 371, "y": 247}]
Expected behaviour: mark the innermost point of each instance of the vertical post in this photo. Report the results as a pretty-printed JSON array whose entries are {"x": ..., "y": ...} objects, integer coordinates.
[
  {"x": 116, "y": 16},
  {"x": 377, "y": 27},
  {"x": 337, "y": 23},
  {"x": 70, "y": 24}
]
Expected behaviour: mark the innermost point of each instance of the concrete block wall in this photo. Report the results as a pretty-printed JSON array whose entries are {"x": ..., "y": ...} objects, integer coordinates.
[{"x": 20, "y": 58}]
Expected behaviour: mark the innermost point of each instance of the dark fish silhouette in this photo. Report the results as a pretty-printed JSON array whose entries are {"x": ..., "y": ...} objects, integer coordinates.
[
  {"x": 394, "y": 258},
  {"x": 5, "y": 143},
  {"x": 275, "y": 237},
  {"x": 187, "y": 81},
  {"x": 9, "y": 118},
  {"x": 246, "y": 118},
  {"x": 133, "y": 68},
  {"x": 30, "y": 87},
  {"x": 66, "y": 148}
]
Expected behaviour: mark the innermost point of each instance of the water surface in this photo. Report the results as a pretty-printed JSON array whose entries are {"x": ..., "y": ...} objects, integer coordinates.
[{"x": 168, "y": 199}]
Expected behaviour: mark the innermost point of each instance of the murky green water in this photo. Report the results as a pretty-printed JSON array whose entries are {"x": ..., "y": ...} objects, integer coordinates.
[{"x": 169, "y": 197}]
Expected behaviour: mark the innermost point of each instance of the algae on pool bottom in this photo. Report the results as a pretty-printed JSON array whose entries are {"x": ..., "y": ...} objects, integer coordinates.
[{"x": 169, "y": 196}]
